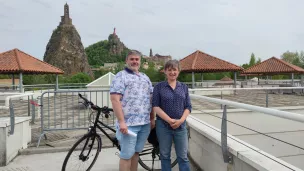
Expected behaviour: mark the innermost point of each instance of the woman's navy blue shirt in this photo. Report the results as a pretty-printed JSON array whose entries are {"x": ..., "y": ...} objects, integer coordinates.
[{"x": 172, "y": 102}]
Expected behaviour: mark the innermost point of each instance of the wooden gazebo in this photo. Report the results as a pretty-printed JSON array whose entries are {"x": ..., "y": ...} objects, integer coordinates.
[
  {"x": 17, "y": 62},
  {"x": 200, "y": 62},
  {"x": 273, "y": 66}
]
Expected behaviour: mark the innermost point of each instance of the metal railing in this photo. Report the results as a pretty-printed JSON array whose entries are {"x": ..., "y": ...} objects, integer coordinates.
[
  {"x": 62, "y": 110},
  {"x": 222, "y": 92},
  {"x": 274, "y": 112},
  {"x": 8, "y": 105},
  {"x": 41, "y": 87}
]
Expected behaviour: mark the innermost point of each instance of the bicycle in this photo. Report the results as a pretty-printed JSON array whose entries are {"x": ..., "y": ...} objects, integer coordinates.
[{"x": 91, "y": 144}]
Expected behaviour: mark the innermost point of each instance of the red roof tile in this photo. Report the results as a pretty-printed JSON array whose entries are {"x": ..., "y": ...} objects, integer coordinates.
[
  {"x": 202, "y": 62},
  {"x": 16, "y": 61},
  {"x": 273, "y": 66}
]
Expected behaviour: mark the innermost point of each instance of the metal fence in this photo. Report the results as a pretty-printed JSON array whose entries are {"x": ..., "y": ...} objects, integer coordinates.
[{"x": 63, "y": 110}]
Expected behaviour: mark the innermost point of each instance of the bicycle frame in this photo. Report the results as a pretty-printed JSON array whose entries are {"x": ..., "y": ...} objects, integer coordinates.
[{"x": 96, "y": 125}]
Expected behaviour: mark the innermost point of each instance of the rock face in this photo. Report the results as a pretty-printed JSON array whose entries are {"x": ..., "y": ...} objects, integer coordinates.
[{"x": 65, "y": 49}]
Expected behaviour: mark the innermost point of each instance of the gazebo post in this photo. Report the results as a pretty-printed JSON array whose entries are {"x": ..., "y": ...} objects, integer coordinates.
[
  {"x": 56, "y": 86},
  {"x": 202, "y": 79},
  {"x": 13, "y": 81},
  {"x": 292, "y": 79},
  {"x": 20, "y": 83},
  {"x": 193, "y": 80},
  {"x": 302, "y": 80}
]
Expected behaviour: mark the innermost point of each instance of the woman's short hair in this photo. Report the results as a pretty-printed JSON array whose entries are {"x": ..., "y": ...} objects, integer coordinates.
[{"x": 172, "y": 64}]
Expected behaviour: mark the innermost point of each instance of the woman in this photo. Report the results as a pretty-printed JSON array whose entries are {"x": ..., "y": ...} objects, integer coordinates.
[{"x": 172, "y": 105}]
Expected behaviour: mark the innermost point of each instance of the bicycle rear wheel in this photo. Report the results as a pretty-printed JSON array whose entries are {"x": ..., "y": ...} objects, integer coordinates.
[
  {"x": 83, "y": 154},
  {"x": 149, "y": 152}
]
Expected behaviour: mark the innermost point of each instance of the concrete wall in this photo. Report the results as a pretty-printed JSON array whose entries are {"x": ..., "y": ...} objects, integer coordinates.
[
  {"x": 11, "y": 144},
  {"x": 205, "y": 150}
]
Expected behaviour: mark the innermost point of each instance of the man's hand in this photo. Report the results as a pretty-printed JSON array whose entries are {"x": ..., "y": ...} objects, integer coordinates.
[
  {"x": 176, "y": 124},
  {"x": 152, "y": 123},
  {"x": 123, "y": 127}
]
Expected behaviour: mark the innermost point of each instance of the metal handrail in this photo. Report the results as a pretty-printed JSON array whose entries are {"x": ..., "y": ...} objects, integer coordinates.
[{"x": 258, "y": 88}]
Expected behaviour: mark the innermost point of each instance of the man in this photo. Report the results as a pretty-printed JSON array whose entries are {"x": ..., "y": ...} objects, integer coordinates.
[{"x": 131, "y": 93}]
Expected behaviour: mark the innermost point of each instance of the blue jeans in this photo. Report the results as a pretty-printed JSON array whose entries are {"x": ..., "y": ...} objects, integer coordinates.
[{"x": 165, "y": 135}]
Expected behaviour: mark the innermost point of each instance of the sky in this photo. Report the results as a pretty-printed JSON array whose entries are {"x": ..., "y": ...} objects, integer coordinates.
[{"x": 228, "y": 29}]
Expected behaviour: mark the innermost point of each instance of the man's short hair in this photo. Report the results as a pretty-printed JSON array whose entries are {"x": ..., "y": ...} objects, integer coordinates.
[{"x": 133, "y": 52}]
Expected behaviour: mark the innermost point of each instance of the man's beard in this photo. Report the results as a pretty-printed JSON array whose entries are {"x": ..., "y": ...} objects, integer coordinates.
[{"x": 132, "y": 67}]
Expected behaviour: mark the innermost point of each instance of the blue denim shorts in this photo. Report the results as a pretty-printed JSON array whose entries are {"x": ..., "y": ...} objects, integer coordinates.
[{"x": 129, "y": 144}]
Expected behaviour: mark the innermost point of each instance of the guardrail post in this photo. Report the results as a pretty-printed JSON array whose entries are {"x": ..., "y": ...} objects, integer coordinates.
[
  {"x": 12, "y": 117},
  {"x": 227, "y": 158}
]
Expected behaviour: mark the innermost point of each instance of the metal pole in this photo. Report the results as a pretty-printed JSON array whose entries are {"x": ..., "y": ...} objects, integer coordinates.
[
  {"x": 221, "y": 98},
  {"x": 56, "y": 86},
  {"x": 266, "y": 98},
  {"x": 33, "y": 111},
  {"x": 13, "y": 82},
  {"x": 234, "y": 82},
  {"x": 28, "y": 106},
  {"x": 226, "y": 157}
]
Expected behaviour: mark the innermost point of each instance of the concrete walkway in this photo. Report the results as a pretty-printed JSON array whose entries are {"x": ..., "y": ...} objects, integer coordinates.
[{"x": 107, "y": 160}]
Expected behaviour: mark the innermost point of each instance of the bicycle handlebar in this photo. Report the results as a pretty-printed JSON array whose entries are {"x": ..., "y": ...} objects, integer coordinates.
[{"x": 104, "y": 109}]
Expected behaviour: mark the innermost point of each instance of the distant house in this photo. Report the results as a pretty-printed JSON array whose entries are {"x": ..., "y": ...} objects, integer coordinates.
[
  {"x": 110, "y": 65},
  {"x": 225, "y": 82},
  {"x": 158, "y": 58}
]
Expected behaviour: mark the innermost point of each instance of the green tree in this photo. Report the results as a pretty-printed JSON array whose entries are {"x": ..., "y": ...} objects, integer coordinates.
[
  {"x": 80, "y": 78},
  {"x": 252, "y": 60},
  {"x": 258, "y": 61},
  {"x": 294, "y": 58}
]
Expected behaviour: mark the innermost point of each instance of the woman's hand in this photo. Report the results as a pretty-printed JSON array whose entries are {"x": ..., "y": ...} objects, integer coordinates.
[{"x": 177, "y": 123}]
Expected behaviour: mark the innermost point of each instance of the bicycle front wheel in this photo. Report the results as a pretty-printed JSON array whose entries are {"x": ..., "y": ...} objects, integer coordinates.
[{"x": 83, "y": 154}]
